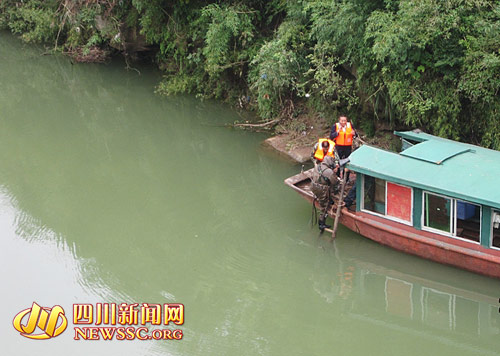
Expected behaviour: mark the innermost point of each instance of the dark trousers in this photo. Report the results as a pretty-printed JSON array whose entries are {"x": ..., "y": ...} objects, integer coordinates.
[
  {"x": 343, "y": 152},
  {"x": 351, "y": 196}
]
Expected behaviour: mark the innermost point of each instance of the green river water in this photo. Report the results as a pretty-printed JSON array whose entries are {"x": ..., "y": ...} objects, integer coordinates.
[{"x": 111, "y": 194}]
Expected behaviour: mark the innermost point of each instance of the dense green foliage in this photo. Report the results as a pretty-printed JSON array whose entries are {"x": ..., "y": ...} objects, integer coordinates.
[{"x": 431, "y": 64}]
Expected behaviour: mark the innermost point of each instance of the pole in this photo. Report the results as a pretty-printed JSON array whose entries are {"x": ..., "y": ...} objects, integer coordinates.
[{"x": 339, "y": 205}]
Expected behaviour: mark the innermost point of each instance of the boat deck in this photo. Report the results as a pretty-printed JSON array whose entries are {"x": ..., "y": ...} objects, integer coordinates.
[{"x": 302, "y": 184}]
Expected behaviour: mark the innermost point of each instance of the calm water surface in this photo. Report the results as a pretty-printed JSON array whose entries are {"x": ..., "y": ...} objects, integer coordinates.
[{"x": 109, "y": 193}]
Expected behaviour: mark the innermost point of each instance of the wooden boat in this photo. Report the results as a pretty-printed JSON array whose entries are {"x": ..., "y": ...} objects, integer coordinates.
[{"x": 437, "y": 199}]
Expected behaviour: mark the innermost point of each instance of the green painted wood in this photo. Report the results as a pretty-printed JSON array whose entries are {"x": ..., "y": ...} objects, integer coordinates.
[
  {"x": 417, "y": 208},
  {"x": 359, "y": 183},
  {"x": 435, "y": 151},
  {"x": 486, "y": 227}
]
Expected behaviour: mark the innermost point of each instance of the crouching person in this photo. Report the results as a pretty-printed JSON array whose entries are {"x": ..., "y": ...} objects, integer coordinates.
[{"x": 324, "y": 181}]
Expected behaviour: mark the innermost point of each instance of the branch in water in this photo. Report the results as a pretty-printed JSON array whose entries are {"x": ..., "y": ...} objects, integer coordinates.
[{"x": 264, "y": 124}]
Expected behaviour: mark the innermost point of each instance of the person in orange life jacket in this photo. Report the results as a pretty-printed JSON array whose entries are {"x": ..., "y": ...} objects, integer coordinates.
[
  {"x": 343, "y": 133},
  {"x": 324, "y": 147}
]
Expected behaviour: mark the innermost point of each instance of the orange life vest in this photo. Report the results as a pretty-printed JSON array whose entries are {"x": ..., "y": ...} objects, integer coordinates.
[
  {"x": 319, "y": 155},
  {"x": 344, "y": 138}
]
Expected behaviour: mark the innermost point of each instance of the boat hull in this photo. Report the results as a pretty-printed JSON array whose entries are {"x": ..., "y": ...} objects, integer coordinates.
[{"x": 442, "y": 249}]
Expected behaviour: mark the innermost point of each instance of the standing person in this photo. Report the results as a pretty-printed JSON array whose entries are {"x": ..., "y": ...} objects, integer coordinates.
[
  {"x": 324, "y": 147},
  {"x": 323, "y": 182},
  {"x": 343, "y": 133}
]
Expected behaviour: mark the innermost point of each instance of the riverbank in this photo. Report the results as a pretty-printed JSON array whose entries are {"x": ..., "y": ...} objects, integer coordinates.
[
  {"x": 297, "y": 145},
  {"x": 439, "y": 70}
]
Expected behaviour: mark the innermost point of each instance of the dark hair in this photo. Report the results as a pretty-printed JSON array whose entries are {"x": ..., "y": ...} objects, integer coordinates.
[{"x": 325, "y": 144}]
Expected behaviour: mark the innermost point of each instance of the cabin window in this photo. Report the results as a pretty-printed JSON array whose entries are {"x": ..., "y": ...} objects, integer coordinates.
[
  {"x": 452, "y": 216},
  {"x": 374, "y": 194},
  {"x": 386, "y": 198},
  {"x": 468, "y": 220},
  {"x": 437, "y": 212},
  {"x": 495, "y": 234}
]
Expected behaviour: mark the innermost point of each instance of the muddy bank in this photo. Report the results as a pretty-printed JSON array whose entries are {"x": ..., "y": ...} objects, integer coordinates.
[
  {"x": 299, "y": 149},
  {"x": 280, "y": 143}
]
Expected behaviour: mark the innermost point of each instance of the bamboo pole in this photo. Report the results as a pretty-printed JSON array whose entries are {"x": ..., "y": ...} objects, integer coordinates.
[{"x": 339, "y": 205}]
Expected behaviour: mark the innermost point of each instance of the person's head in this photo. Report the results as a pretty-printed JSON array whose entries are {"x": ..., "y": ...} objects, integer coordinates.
[
  {"x": 343, "y": 120},
  {"x": 325, "y": 145},
  {"x": 329, "y": 162}
]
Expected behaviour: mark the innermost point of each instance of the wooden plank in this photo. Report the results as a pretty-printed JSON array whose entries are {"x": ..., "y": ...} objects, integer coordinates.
[{"x": 339, "y": 205}]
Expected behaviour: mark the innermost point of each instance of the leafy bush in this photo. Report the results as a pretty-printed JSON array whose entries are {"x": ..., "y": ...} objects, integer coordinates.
[
  {"x": 426, "y": 64},
  {"x": 230, "y": 33},
  {"x": 34, "y": 20},
  {"x": 277, "y": 69}
]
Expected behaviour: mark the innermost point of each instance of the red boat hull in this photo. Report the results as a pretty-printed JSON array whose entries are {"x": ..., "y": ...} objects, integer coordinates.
[{"x": 443, "y": 249}]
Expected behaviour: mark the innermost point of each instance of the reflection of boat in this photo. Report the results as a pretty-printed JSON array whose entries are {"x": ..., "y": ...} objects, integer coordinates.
[
  {"x": 437, "y": 199},
  {"x": 432, "y": 308},
  {"x": 406, "y": 298}
]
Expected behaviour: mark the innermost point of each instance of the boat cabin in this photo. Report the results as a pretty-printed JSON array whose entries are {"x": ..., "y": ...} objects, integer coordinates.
[{"x": 433, "y": 184}]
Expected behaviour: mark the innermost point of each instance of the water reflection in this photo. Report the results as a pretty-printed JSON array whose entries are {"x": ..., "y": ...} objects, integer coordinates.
[{"x": 406, "y": 294}]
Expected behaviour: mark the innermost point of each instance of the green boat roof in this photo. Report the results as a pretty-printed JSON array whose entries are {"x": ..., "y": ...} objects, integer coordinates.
[{"x": 438, "y": 165}]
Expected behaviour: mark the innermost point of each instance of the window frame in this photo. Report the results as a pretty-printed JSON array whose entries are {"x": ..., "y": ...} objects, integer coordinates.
[
  {"x": 452, "y": 214},
  {"x": 493, "y": 211},
  {"x": 385, "y": 216},
  {"x": 453, "y": 218}
]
